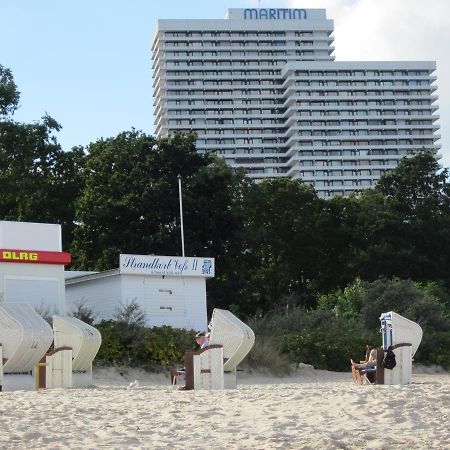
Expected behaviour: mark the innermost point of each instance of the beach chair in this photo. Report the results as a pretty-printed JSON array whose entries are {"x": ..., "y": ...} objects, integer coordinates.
[
  {"x": 84, "y": 340},
  {"x": 403, "y": 336},
  {"x": 25, "y": 338},
  {"x": 204, "y": 368},
  {"x": 237, "y": 339},
  {"x": 55, "y": 369}
]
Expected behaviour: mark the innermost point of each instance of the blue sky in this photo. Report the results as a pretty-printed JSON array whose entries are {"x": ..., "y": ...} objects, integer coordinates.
[{"x": 88, "y": 63}]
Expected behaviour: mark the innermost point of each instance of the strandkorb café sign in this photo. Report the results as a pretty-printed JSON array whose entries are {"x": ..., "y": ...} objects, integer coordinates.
[{"x": 166, "y": 265}]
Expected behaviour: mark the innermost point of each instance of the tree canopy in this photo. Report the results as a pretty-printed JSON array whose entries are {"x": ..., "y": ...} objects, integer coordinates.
[
  {"x": 9, "y": 95},
  {"x": 130, "y": 203}
]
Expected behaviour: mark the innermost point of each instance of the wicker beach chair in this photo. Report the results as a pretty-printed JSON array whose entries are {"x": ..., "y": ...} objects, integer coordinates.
[
  {"x": 237, "y": 339},
  {"x": 84, "y": 340},
  {"x": 204, "y": 368},
  {"x": 403, "y": 336},
  {"x": 25, "y": 337}
]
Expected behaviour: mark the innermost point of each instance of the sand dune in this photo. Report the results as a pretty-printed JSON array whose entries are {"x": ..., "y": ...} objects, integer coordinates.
[{"x": 311, "y": 410}]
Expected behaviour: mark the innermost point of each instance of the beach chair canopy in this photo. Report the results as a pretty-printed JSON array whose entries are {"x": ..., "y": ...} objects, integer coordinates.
[
  {"x": 397, "y": 329},
  {"x": 25, "y": 337},
  {"x": 235, "y": 336},
  {"x": 83, "y": 338}
]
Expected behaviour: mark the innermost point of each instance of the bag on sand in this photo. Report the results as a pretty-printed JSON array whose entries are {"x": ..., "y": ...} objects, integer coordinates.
[{"x": 389, "y": 360}]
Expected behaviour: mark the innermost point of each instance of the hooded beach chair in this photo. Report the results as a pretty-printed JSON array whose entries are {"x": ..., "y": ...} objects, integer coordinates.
[
  {"x": 214, "y": 367},
  {"x": 235, "y": 337},
  {"x": 25, "y": 337},
  {"x": 403, "y": 337},
  {"x": 84, "y": 341}
]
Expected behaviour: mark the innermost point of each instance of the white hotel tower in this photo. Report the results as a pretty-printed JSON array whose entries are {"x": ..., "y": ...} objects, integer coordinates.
[{"x": 261, "y": 89}]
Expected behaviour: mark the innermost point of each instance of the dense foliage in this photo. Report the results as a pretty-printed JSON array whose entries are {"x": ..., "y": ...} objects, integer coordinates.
[
  {"x": 137, "y": 346},
  {"x": 126, "y": 341}
]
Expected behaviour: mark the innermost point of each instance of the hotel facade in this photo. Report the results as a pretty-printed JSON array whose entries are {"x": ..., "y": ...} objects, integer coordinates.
[{"x": 261, "y": 89}]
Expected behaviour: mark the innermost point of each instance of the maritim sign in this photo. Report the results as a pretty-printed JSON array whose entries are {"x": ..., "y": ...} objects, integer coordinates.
[
  {"x": 274, "y": 14},
  {"x": 166, "y": 265}
]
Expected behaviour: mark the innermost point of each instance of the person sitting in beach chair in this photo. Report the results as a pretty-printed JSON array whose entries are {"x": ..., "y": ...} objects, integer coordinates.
[
  {"x": 366, "y": 368},
  {"x": 202, "y": 339}
]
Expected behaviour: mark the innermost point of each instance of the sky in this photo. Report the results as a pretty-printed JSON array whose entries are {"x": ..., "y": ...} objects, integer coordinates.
[{"x": 88, "y": 63}]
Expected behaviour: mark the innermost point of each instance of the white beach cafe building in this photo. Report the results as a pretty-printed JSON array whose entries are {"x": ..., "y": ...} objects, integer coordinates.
[{"x": 170, "y": 290}]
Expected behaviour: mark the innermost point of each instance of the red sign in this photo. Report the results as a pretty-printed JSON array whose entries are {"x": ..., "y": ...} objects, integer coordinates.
[{"x": 35, "y": 257}]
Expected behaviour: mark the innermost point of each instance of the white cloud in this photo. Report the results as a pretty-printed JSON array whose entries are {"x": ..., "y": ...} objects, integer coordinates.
[{"x": 377, "y": 30}]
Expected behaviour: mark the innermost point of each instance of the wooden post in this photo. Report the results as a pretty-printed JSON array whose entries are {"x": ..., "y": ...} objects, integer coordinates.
[{"x": 39, "y": 374}]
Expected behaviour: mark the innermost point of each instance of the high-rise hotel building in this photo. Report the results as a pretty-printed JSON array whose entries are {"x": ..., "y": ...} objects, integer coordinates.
[{"x": 261, "y": 89}]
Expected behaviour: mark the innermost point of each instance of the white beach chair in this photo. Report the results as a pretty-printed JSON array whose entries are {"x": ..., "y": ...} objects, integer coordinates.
[
  {"x": 55, "y": 369},
  {"x": 25, "y": 338},
  {"x": 237, "y": 339},
  {"x": 203, "y": 369},
  {"x": 208, "y": 368},
  {"x": 84, "y": 340},
  {"x": 404, "y": 337}
]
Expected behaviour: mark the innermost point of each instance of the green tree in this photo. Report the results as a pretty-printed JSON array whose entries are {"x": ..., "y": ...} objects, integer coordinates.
[
  {"x": 130, "y": 203},
  {"x": 212, "y": 222},
  {"x": 277, "y": 258},
  {"x": 403, "y": 223},
  {"x": 119, "y": 206},
  {"x": 338, "y": 240},
  {"x": 9, "y": 95},
  {"x": 417, "y": 186}
]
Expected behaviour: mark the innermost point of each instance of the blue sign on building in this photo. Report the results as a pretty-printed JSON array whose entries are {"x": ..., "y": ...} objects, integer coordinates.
[{"x": 274, "y": 14}]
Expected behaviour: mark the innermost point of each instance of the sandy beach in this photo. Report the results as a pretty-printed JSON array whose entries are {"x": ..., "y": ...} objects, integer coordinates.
[{"x": 311, "y": 409}]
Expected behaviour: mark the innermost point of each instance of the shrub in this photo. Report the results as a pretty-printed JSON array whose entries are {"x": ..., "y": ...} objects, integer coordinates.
[
  {"x": 134, "y": 345},
  {"x": 130, "y": 314},
  {"x": 267, "y": 356},
  {"x": 83, "y": 312},
  {"x": 46, "y": 312},
  {"x": 345, "y": 303},
  {"x": 315, "y": 337}
]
